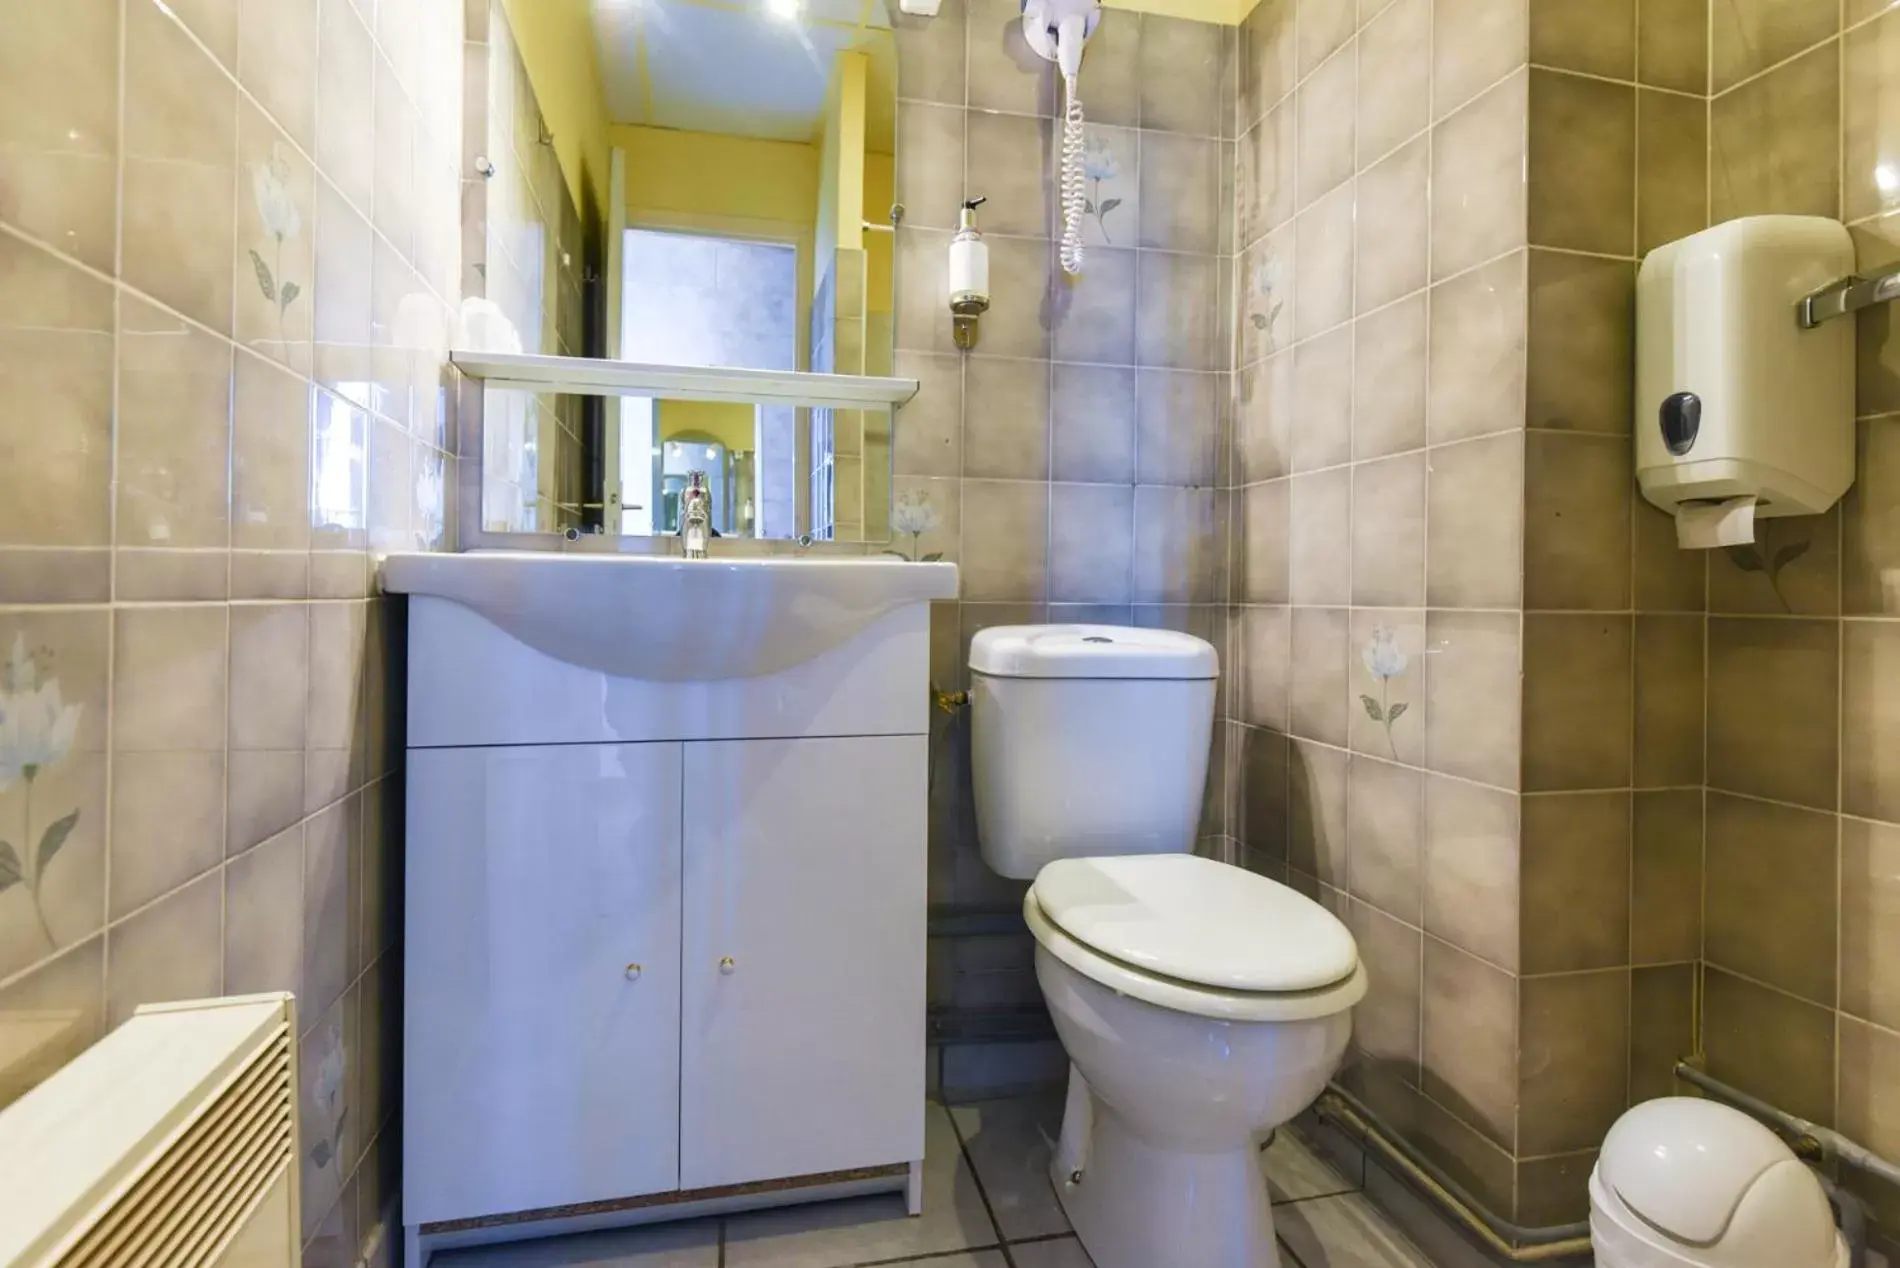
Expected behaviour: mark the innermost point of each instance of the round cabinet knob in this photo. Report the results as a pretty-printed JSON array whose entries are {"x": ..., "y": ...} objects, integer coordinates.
[
  {"x": 726, "y": 965},
  {"x": 633, "y": 972}
]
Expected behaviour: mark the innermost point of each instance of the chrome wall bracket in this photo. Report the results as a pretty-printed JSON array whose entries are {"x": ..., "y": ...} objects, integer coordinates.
[{"x": 1849, "y": 295}]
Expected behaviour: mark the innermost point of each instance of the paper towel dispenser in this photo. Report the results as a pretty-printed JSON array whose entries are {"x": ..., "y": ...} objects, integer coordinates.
[{"x": 1736, "y": 403}]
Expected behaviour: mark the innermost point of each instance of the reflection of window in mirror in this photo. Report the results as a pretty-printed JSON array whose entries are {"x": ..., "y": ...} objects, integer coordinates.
[{"x": 696, "y": 299}]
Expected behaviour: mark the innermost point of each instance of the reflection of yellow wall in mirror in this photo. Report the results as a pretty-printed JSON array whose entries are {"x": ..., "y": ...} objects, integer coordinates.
[
  {"x": 1224, "y": 12},
  {"x": 705, "y": 180},
  {"x": 880, "y": 191},
  {"x": 728, "y": 422},
  {"x": 556, "y": 39}
]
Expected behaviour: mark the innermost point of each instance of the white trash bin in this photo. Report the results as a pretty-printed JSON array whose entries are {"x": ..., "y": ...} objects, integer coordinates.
[{"x": 1688, "y": 1183}]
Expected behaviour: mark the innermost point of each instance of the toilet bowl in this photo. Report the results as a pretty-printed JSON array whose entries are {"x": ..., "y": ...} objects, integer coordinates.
[{"x": 1201, "y": 1005}]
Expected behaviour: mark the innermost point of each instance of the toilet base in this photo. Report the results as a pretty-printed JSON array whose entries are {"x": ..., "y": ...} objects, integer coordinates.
[{"x": 1139, "y": 1203}]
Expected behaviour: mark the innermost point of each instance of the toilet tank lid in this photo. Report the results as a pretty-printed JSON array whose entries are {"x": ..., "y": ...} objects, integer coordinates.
[
  {"x": 1685, "y": 1164},
  {"x": 1090, "y": 651}
]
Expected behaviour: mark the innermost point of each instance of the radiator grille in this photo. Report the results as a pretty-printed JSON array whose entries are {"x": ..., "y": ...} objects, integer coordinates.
[{"x": 194, "y": 1193}]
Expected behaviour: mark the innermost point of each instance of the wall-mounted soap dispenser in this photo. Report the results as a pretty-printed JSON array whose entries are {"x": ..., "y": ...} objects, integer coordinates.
[
  {"x": 969, "y": 276},
  {"x": 1740, "y": 411}
]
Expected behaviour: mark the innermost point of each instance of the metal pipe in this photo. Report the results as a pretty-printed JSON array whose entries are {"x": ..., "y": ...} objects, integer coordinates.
[
  {"x": 1850, "y": 1214},
  {"x": 1515, "y": 1242},
  {"x": 1828, "y": 1142}
]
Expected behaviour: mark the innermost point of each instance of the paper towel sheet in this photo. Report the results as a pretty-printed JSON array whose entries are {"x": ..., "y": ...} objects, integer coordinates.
[{"x": 1706, "y": 525}]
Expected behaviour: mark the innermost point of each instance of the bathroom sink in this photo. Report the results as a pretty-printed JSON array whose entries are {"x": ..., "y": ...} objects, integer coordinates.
[{"x": 670, "y": 619}]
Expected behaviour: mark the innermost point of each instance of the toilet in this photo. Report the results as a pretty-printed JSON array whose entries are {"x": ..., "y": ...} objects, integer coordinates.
[{"x": 1201, "y": 1005}]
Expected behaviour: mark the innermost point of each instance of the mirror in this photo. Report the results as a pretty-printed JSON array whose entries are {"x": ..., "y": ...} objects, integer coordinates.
[{"x": 749, "y": 226}]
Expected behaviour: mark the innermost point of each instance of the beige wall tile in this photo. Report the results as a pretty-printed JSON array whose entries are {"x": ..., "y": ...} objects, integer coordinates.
[
  {"x": 168, "y": 822},
  {"x": 1388, "y": 380},
  {"x": 1773, "y": 709},
  {"x": 1870, "y": 721},
  {"x": 1325, "y": 103},
  {"x": 1091, "y": 419},
  {"x": 1091, "y": 328},
  {"x": 1394, "y": 81},
  {"x": 1471, "y": 868},
  {"x": 1479, "y": 194},
  {"x": 1006, "y": 408},
  {"x": 1385, "y": 1022},
  {"x": 1265, "y": 179},
  {"x": 930, "y": 54},
  {"x": 1871, "y": 66},
  {"x": 1260, "y": 762},
  {"x": 1386, "y": 683},
  {"x": 277, "y": 63},
  {"x": 1388, "y": 531},
  {"x": 174, "y": 431},
  {"x": 1178, "y": 416},
  {"x": 1555, "y": 1190},
  {"x": 1385, "y": 817},
  {"x": 1478, "y": 352},
  {"x": 1672, "y": 44},
  {"x": 1180, "y": 541},
  {"x": 71, "y": 987},
  {"x": 1573, "y": 1074},
  {"x": 1770, "y": 1044},
  {"x": 1114, "y": 77},
  {"x": 1263, "y": 420},
  {"x": 1575, "y": 878},
  {"x": 927, "y": 439},
  {"x": 1092, "y": 318},
  {"x": 1174, "y": 325},
  {"x": 1870, "y": 523},
  {"x": 1577, "y": 694},
  {"x": 1269, "y": 58},
  {"x": 1870, "y": 921},
  {"x": 1672, "y": 164},
  {"x": 1319, "y": 541},
  {"x": 1004, "y": 74},
  {"x": 1597, "y": 39},
  {"x": 928, "y": 171},
  {"x": 171, "y": 950},
  {"x": 1324, "y": 27},
  {"x": 1470, "y": 1040},
  {"x": 270, "y": 458},
  {"x": 1870, "y": 1086},
  {"x": 1323, "y": 264},
  {"x": 1794, "y": 565},
  {"x": 1669, "y": 701},
  {"x": 1183, "y": 69},
  {"x": 1005, "y": 160},
  {"x": 1666, "y": 577},
  {"x": 1322, "y": 397},
  {"x": 1577, "y": 493},
  {"x": 1260, "y": 665},
  {"x": 1746, "y": 37},
  {"x": 1582, "y": 163},
  {"x": 1472, "y": 682},
  {"x": 1666, "y": 877},
  {"x": 1261, "y": 564},
  {"x": 1180, "y": 203},
  {"x": 1773, "y": 142},
  {"x": 1581, "y": 359},
  {"x": 1475, "y": 43},
  {"x": 1316, "y": 811},
  {"x": 59, "y": 125},
  {"x": 1389, "y": 252},
  {"x": 1662, "y": 1028},
  {"x": 1474, "y": 534},
  {"x": 1317, "y": 704},
  {"x": 1091, "y": 542},
  {"x": 1877, "y": 356},
  {"x": 1004, "y": 538},
  {"x": 1265, "y": 286},
  {"x": 1769, "y": 895}
]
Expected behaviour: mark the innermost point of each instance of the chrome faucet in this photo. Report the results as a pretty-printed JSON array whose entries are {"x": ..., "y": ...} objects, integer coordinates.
[{"x": 695, "y": 515}]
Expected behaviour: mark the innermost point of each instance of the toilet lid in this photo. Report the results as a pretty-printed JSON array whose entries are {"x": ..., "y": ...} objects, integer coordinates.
[{"x": 1195, "y": 920}]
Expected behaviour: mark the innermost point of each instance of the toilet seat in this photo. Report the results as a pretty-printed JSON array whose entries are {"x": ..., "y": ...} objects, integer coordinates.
[{"x": 1196, "y": 936}]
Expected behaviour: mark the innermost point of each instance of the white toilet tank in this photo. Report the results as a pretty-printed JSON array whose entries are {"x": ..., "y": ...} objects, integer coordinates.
[{"x": 1088, "y": 740}]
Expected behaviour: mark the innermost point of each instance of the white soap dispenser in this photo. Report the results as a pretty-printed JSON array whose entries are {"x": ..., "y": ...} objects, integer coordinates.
[{"x": 969, "y": 276}]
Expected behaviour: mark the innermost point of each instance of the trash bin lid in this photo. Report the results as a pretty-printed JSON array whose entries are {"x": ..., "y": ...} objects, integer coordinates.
[{"x": 1685, "y": 1164}]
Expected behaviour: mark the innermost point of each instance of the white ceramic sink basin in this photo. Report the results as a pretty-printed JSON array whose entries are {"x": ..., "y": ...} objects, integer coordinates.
[{"x": 669, "y": 619}]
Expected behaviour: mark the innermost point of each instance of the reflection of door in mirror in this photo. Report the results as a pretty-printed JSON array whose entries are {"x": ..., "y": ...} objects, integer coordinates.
[{"x": 697, "y": 299}]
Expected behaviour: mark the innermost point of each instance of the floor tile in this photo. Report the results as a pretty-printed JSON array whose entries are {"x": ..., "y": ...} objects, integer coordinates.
[
  {"x": 691, "y": 1245},
  {"x": 864, "y": 1230},
  {"x": 1297, "y": 1170},
  {"x": 1010, "y": 1143},
  {"x": 1061, "y": 1252},
  {"x": 1344, "y": 1232}
]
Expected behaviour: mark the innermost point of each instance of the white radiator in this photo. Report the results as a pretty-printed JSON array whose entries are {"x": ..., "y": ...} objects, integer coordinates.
[{"x": 172, "y": 1142}]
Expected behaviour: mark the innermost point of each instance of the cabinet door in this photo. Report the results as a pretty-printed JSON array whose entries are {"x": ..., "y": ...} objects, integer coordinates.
[
  {"x": 540, "y": 1068},
  {"x": 805, "y": 868}
]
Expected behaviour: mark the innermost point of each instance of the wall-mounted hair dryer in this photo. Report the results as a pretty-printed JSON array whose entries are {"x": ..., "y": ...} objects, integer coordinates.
[{"x": 1057, "y": 29}]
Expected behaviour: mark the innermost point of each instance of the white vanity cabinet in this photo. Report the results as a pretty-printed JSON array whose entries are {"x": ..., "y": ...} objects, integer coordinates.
[{"x": 664, "y": 940}]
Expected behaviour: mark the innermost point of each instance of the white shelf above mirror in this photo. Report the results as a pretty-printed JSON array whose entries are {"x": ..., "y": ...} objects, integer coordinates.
[{"x": 594, "y": 376}]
